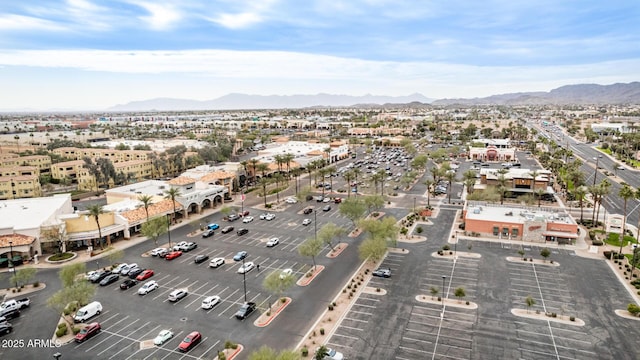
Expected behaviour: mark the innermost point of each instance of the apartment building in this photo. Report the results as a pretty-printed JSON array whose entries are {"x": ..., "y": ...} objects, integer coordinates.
[{"x": 20, "y": 186}]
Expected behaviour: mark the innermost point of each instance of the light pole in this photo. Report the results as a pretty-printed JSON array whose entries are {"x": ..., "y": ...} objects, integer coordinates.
[
  {"x": 169, "y": 230},
  {"x": 443, "y": 294},
  {"x": 315, "y": 223},
  {"x": 595, "y": 172},
  {"x": 414, "y": 205},
  {"x": 12, "y": 268},
  {"x": 244, "y": 280}
]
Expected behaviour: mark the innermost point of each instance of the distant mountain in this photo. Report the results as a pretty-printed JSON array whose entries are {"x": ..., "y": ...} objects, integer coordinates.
[
  {"x": 244, "y": 101},
  {"x": 569, "y": 94}
]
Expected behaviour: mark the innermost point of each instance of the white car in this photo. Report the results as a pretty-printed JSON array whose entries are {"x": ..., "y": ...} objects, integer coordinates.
[
  {"x": 118, "y": 268},
  {"x": 125, "y": 269},
  {"x": 270, "y": 217},
  {"x": 247, "y": 219},
  {"x": 326, "y": 200},
  {"x": 162, "y": 337},
  {"x": 215, "y": 262},
  {"x": 246, "y": 267},
  {"x": 180, "y": 245},
  {"x": 306, "y": 222},
  {"x": 273, "y": 242},
  {"x": 285, "y": 273},
  {"x": 88, "y": 275},
  {"x": 177, "y": 294},
  {"x": 148, "y": 287},
  {"x": 210, "y": 301},
  {"x": 331, "y": 354},
  {"x": 157, "y": 251},
  {"x": 291, "y": 200},
  {"x": 263, "y": 216}
]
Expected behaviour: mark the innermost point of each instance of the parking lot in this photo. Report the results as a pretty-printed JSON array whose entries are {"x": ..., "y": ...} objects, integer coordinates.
[{"x": 397, "y": 326}]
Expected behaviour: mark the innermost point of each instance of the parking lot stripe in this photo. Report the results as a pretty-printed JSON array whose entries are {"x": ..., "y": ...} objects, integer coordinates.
[
  {"x": 346, "y": 336},
  {"x": 198, "y": 296},
  {"x": 111, "y": 333},
  {"x": 138, "y": 340},
  {"x": 118, "y": 341},
  {"x": 112, "y": 316},
  {"x": 209, "y": 349},
  {"x": 349, "y": 327}
]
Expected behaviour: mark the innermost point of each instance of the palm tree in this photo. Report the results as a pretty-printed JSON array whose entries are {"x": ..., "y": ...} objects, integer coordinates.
[
  {"x": 264, "y": 182},
  {"x": 332, "y": 170},
  {"x": 502, "y": 184},
  {"x": 534, "y": 174},
  {"x": 279, "y": 161},
  {"x": 348, "y": 176},
  {"x": 323, "y": 172},
  {"x": 626, "y": 193},
  {"x": 253, "y": 163},
  {"x": 579, "y": 193},
  {"x": 539, "y": 193},
  {"x": 146, "y": 202},
  {"x": 451, "y": 177},
  {"x": 278, "y": 177},
  {"x": 95, "y": 211},
  {"x": 429, "y": 183},
  {"x": 288, "y": 157},
  {"x": 171, "y": 194},
  {"x": 605, "y": 188},
  {"x": 244, "y": 169},
  {"x": 356, "y": 172}
]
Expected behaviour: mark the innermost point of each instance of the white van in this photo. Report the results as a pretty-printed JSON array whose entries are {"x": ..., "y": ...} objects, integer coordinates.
[{"x": 87, "y": 312}]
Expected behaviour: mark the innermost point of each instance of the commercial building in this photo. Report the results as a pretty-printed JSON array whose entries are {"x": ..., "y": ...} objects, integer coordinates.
[
  {"x": 492, "y": 150},
  {"x": 516, "y": 180},
  {"x": 539, "y": 225}
]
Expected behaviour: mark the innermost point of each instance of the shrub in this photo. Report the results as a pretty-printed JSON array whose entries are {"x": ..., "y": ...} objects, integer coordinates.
[
  {"x": 467, "y": 302},
  {"x": 61, "y": 332},
  {"x": 597, "y": 242},
  {"x": 76, "y": 329},
  {"x": 419, "y": 229},
  {"x": 321, "y": 331},
  {"x": 304, "y": 351},
  {"x": 222, "y": 356},
  {"x": 333, "y": 303},
  {"x": 633, "y": 309},
  {"x": 330, "y": 307},
  {"x": 36, "y": 284},
  {"x": 377, "y": 289},
  {"x": 62, "y": 325},
  {"x": 439, "y": 298},
  {"x": 234, "y": 346},
  {"x": 228, "y": 344},
  {"x": 446, "y": 247},
  {"x": 572, "y": 318}
]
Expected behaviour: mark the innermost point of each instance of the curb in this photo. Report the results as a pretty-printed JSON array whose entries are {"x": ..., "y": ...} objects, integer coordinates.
[
  {"x": 277, "y": 312},
  {"x": 308, "y": 280}
]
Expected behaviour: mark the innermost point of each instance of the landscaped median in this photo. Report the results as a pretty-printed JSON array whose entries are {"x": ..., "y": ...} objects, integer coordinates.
[
  {"x": 276, "y": 308},
  {"x": 337, "y": 250},
  {"x": 310, "y": 275}
]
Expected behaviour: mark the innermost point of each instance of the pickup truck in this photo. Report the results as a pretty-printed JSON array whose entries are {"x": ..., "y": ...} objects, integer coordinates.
[{"x": 15, "y": 304}]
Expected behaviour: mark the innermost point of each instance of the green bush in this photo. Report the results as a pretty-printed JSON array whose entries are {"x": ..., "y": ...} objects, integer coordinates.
[
  {"x": 419, "y": 229},
  {"x": 446, "y": 247},
  {"x": 61, "y": 256},
  {"x": 76, "y": 329},
  {"x": 62, "y": 325},
  {"x": 572, "y": 318},
  {"x": 61, "y": 331},
  {"x": 222, "y": 356},
  {"x": 633, "y": 309}
]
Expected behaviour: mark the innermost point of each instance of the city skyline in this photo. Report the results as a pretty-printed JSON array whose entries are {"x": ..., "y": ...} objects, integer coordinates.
[{"x": 91, "y": 55}]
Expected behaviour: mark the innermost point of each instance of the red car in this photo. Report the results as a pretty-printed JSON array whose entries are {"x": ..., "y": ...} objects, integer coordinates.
[
  {"x": 190, "y": 341},
  {"x": 145, "y": 275},
  {"x": 88, "y": 332},
  {"x": 172, "y": 255}
]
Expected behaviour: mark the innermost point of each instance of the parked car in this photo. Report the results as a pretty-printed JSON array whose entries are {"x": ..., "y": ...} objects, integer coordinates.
[
  {"x": 10, "y": 314},
  {"x": 5, "y": 328},
  {"x": 291, "y": 200},
  {"x": 233, "y": 217},
  {"x": 158, "y": 251},
  {"x": 285, "y": 273},
  {"x": 246, "y": 267},
  {"x": 177, "y": 294},
  {"x": 208, "y": 233},
  {"x": 330, "y": 354},
  {"x": 227, "y": 229},
  {"x": 270, "y": 217},
  {"x": 145, "y": 274},
  {"x": 13, "y": 304},
  {"x": 243, "y": 213},
  {"x": 263, "y": 216},
  {"x": 125, "y": 270},
  {"x": 127, "y": 284},
  {"x": 382, "y": 272},
  {"x": 247, "y": 219},
  {"x": 97, "y": 277},
  {"x": 88, "y": 332},
  {"x": 172, "y": 255},
  {"x": 306, "y": 222},
  {"x": 326, "y": 208},
  {"x": 326, "y": 200},
  {"x": 210, "y": 301},
  {"x": 147, "y": 287},
  {"x": 308, "y": 211},
  {"x": 109, "y": 279},
  {"x": 190, "y": 341},
  {"x": 117, "y": 269},
  {"x": 179, "y": 246},
  {"x": 215, "y": 262},
  {"x": 190, "y": 246},
  {"x": 201, "y": 258},
  {"x": 87, "y": 312},
  {"x": 273, "y": 242},
  {"x": 240, "y": 255},
  {"x": 245, "y": 310},
  {"x": 135, "y": 272},
  {"x": 337, "y": 200},
  {"x": 163, "y": 253},
  {"x": 162, "y": 337},
  {"x": 213, "y": 226},
  {"x": 241, "y": 232}
]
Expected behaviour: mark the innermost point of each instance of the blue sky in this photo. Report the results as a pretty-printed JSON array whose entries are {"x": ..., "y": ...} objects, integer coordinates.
[{"x": 92, "y": 54}]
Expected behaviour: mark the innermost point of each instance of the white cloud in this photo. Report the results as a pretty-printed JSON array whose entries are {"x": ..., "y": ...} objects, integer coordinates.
[
  {"x": 19, "y": 22},
  {"x": 160, "y": 17},
  {"x": 237, "y": 21}
]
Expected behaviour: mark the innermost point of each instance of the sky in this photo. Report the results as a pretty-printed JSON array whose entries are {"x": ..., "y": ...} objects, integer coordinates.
[{"x": 94, "y": 54}]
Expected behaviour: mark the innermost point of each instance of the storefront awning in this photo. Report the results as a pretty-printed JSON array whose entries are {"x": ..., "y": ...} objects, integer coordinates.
[{"x": 560, "y": 234}]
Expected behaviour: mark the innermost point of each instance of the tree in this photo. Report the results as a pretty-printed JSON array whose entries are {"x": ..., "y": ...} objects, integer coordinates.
[
  {"x": 155, "y": 228},
  {"x": 95, "y": 211},
  {"x": 58, "y": 235},
  {"x": 225, "y": 211},
  {"x": 579, "y": 193},
  {"x": 434, "y": 291},
  {"x": 385, "y": 229},
  {"x": 373, "y": 202},
  {"x": 460, "y": 293},
  {"x": 530, "y": 302},
  {"x": 372, "y": 249},
  {"x": 626, "y": 193},
  {"x": 73, "y": 291},
  {"x": 23, "y": 276},
  {"x": 353, "y": 209},
  {"x": 264, "y": 182},
  {"x": 328, "y": 232},
  {"x": 545, "y": 252},
  {"x": 277, "y": 285},
  {"x": 633, "y": 309},
  {"x": 429, "y": 184},
  {"x": 277, "y": 177},
  {"x": 69, "y": 273},
  {"x": 451, "y": 177},
  {"x": 171, "y": 194},
  {"x": 320, "y": 353},
  {"x": 310, "y": 247},
  {"x": 266, "y": 353},
  {"x": 146, "y": 202}
]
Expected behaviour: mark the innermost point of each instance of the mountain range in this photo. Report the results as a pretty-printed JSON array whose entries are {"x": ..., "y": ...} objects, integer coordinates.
[{"x": 620, "y": 93}]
